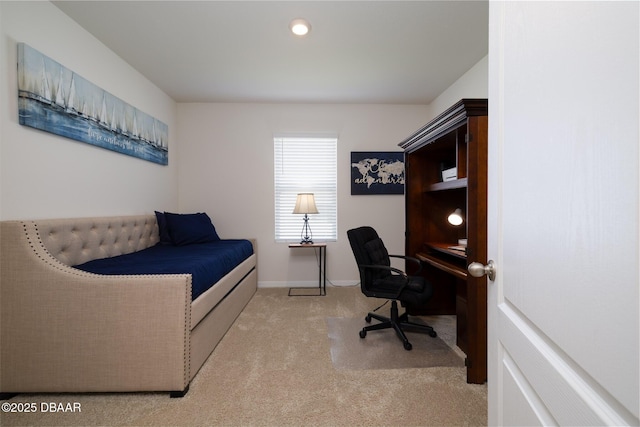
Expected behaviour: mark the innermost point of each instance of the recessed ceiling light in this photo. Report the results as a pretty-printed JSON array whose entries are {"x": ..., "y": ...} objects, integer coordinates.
[{"x": 300, "y": 27}]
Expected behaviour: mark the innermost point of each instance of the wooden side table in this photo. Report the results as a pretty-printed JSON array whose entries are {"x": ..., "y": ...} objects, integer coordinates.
[{"x": 322, "y": 269}]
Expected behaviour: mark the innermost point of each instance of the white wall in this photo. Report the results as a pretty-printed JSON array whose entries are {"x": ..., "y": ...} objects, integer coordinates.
[
  {"x": 226, "y": 169},
  {"x": 472, "y": 84},
  {"x": 44, "y": 175}
]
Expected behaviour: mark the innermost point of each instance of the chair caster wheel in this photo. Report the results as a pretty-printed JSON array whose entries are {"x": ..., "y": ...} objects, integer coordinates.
[
  {"x": 408, "y": 346},
  {"x": 368, "y": 319},
  {"x": 433, "y": 334},
  {"x": 363, "y": 333}
]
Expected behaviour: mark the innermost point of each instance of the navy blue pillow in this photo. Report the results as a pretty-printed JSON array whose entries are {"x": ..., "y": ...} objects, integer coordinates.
[
  {"x": 165, "y": 238},
  {"x": 187, "y": 229}
]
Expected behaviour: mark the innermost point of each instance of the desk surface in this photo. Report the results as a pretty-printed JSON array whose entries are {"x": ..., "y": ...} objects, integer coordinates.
[
  {"x": 307, "y": 245},
  {"x": 450, "y": 249}
]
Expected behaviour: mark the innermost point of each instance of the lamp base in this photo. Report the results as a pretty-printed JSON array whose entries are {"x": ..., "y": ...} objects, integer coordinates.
[{"x": 305, "y": 235}]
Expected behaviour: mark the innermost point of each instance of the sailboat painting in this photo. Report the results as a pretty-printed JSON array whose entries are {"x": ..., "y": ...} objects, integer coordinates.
[{"x": 54, "y": 99}]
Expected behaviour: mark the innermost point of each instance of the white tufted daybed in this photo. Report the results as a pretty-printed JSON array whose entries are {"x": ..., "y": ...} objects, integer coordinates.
[{"x": 67, "y": 330}]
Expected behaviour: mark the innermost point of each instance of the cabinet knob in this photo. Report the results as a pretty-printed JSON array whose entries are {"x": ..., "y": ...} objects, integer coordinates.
[{"x": 476, "y": 269}]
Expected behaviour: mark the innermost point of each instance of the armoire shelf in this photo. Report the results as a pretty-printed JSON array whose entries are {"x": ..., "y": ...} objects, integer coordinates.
[
  {"x": 448, "y": 185},
  {"x": 457, "y": 138}
]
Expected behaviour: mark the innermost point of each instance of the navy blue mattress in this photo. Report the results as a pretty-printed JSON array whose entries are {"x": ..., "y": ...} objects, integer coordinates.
[{"x": 206, "y": 262}]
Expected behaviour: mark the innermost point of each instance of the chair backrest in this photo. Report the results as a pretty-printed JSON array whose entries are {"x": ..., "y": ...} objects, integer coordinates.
[{"x": 368, "y": 249}]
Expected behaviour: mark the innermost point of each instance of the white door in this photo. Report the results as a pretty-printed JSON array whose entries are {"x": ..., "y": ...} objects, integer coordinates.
[{"x": 563, "y": 213}]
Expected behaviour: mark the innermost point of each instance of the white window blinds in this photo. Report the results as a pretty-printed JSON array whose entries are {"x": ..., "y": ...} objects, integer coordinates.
[{"x": 305, "y": 165}]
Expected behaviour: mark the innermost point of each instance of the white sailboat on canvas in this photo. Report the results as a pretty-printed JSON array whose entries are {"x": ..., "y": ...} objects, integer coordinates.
[{"x": 57, "y": 100}]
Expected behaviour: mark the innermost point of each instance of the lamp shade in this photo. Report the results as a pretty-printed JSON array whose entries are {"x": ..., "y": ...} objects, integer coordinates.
[
  {"x": 305, "y": 204},
  {"x": 456, "y": 217}
]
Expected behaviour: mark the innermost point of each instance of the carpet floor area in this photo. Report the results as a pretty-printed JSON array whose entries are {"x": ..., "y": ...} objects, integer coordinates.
[
  {"x": 274, "y": 368},
  {"x": 382, "y": 349}
]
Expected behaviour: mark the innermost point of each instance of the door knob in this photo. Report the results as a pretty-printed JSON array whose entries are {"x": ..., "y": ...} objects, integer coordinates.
[{"x": 476, "y": 269}]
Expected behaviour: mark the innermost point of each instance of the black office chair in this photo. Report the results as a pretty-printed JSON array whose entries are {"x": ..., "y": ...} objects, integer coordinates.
[{"x": 379, "y": 280}]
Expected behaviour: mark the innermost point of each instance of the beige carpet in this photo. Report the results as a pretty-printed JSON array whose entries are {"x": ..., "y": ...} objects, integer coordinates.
[
  {"x": 382, "y": 349},
  {"x": 274, "y": 368}
]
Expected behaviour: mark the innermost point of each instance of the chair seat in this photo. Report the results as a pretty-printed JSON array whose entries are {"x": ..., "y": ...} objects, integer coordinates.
[
  {"x": 416, "y": 292},
  {"x": 393, "y": 283}
]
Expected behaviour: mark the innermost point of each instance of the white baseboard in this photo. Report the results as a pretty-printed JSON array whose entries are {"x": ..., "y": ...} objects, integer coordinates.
[
  {"x": 306, "y": 284},
  {"x": 345, "y": 283}
]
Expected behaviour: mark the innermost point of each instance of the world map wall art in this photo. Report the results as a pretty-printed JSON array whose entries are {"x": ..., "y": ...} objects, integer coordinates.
[
  {"x": 54, "y": 99},
  {"x": 376, "y": 172}
]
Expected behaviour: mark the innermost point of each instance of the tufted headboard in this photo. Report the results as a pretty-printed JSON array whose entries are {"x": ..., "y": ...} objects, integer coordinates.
[{"x": 74, "y": 241}]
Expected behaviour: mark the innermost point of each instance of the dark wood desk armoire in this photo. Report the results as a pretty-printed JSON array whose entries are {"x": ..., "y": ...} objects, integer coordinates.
[{"x": 455, "y": 139}]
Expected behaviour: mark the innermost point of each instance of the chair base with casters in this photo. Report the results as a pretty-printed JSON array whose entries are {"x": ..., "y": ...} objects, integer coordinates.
[
  {"x": 397, "y": 322},
  {"x": 378, "y": 279}
]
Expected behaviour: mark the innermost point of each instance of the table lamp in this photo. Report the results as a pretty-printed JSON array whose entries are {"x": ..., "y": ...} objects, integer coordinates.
[
  {"x": 456, "y": 217},
  {"x": 305, "y": 204}
]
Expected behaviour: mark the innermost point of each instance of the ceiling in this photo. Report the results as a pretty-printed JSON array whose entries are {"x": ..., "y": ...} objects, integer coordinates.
[{"x": 400, "y": 52}]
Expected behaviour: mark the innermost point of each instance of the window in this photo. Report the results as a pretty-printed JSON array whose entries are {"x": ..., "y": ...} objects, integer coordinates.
[{"x": 305, "y": 165}]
